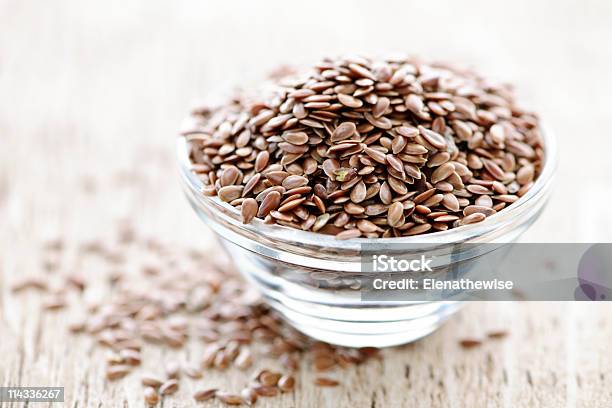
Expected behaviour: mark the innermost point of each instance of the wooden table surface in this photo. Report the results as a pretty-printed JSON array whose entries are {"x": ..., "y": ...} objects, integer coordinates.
[{"x": 91, "y": 94}]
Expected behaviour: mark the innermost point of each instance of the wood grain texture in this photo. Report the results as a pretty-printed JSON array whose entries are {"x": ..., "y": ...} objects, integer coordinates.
[{"x": 91, "y": 94}]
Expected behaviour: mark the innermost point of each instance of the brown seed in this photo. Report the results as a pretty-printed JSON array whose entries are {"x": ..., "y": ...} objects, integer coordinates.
[
  {"x": 525, "y": 174},
  {"x": 473, "y": 209},
  {"x": 397, "y": 185},
  {"x": 343, "y": 131},
  {"x": 276, "y": 177},
  {"x": 446, "y": 218},
  {"x": 150, "y": 396},
  {"x": 150, "y": 380},
  {"x": 418, "y": 229},
  {"x": 204, "y": 395},
  {"x": 269, "y": 203},
  {"x": 269, "y": 378},
  {"x": 228, "y": 398},
  {"x": 350, "y": 101},
  {"x": 408, "y": 131},
  {"x": 348, "y": 234},
  {"x": 494, "y": 169},
  {"x": 478, "y": 189},
  {"x": 324, "y": 362},
  {"x": 326, "y": 382},
  {"x": 462, "y": 130},
  {"x": 497, "y": 133},
  {"x": 251, "y": 184},
  {"x": 54, "y": 303},
  {"x": 366, "y": 226},
  {"x": 361, "y": 71},
  {"x": 438, "y": 159},
  {"x": 433, "y": 138},
  {"x": 398, "y": 144},
  {"x": 244, "y": 360},
  {"x": 381, "y": 106},
  {"x": 286, "y": 383},
  {"x": 230, "y": 193},
  {"x": 229, "y": 176},
  {"x": 473, "y": 218},
  {"x": 382, "y": 122},
  {"x": 450, "y": 201},
  {"x": 395, "y": 163},
  {"x": 320, "y": 222},
  {"x": 291, "y": 148},
  {"x": 296, "y": 138},
  {"x": 497, "y": 334},
  {"x": 248, "y": 210},
  {"x": 266, "y": 391},
  {"x": 395, "y": 215},
  {"x": 386, "y": 196},
  {"x": 470, "y": 343},
  {"x": 442, "y": 173},
  {"x": 301, "y": 93},
  {"x": 115, "y": 372},
  {"x": 484, "y": 201},
  {"x": 169, "y": 387},
  {"x": 291, "y": 204},
  {"x": 414, "y": 103},
  {"x": 330, "y": 166},
  {"x": 353, "y": 209},
  {"x": 294, "y": 182},
  {"x": 130, "y": 357},
  {"x": 376, "y": 155},
  {"x": 358, "y": 193},
  {"x": 506, "y": 198},
  {"x": 262, "y": 160},
  {"x": 424, "y": 196}
]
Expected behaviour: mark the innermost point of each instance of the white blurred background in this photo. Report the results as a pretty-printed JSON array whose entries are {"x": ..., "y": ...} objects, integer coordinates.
[{"x": 113, "y": 79}]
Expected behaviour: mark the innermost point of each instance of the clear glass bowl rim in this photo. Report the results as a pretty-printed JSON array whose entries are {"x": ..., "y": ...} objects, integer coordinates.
[{"x": 294, "y": 236}]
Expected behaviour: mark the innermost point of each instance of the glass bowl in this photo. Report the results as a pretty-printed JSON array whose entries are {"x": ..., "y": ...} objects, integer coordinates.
[{"x": 313, "y": 280}]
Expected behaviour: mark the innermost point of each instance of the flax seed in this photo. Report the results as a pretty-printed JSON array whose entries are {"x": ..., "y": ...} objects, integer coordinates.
[
  {"x": 326, "y": 382},
  {"x": 169, "y": 387},
  {"x": 363, "y": 133},
  {"x": 204, "y": 395},
  {"x": 228, "y": 398},
  {"x": 150, "y": 396}
]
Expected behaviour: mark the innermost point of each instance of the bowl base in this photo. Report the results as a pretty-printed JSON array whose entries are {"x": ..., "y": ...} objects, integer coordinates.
[
  {"x": 364, "y": 334},
  {"x": 336, "y": 315},
  {"x": 356, "y": 333}
]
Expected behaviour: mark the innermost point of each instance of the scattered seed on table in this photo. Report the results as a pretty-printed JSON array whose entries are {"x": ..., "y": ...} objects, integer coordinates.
[
  {"x": 151, "y": 380},
  {"x": 266, "y": 390},
  {"x": 169, "y": 387},
  {"x": 228, "y": 398},
  {"x": 326, "y": 382},
  {"x": 114, "y": 372},
  {"x": 204, "y": 395},
  {"x": 497, "y": 334},
  {"x": 286, "y": 383},
  {"x": 151, "y": 396},
  {"x": 269, "y": 378},
  {"x": 470, "y": 343}
]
